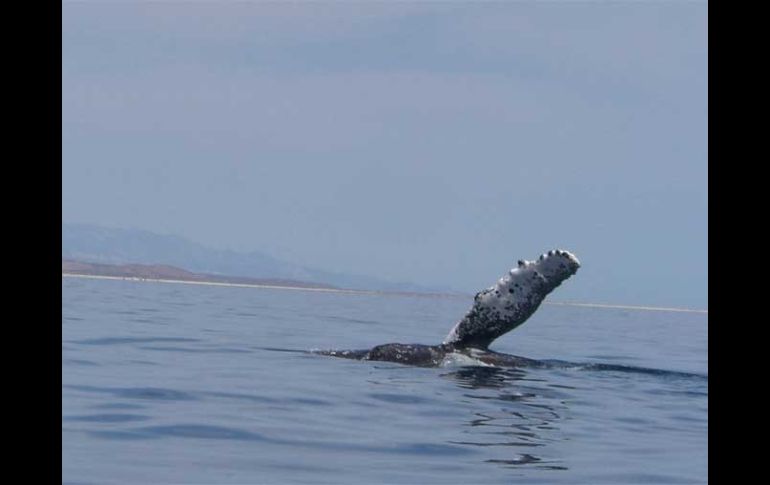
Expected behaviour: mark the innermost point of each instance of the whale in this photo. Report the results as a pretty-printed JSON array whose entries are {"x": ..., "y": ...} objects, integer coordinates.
[{"x": 495, "y": 311}]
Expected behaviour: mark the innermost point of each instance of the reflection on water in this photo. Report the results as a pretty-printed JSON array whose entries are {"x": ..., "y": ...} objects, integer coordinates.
[
  {"x": 484, "y": 377},
  {"x": 528, "y": 419}
]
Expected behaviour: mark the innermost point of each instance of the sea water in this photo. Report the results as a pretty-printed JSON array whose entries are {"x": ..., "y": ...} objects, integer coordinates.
[{"x": 188, "y": 384}]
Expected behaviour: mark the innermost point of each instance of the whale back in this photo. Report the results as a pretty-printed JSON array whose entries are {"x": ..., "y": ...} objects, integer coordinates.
[{"x": 509, "y": 303}]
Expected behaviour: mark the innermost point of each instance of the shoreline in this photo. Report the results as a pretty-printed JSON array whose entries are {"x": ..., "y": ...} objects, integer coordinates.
[
  {"x": 370, "y": 292},
  {"x": 214, "y": 283},
  {"x": 628, "y": 307}
]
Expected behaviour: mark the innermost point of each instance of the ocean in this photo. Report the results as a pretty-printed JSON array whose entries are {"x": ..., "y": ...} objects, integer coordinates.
[{"x": 189, "y": 384}]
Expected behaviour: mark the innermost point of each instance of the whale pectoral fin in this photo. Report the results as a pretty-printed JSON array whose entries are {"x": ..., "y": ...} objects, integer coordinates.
[
  {"x": 495, "y": 311},
  {"x": 516, "y": 296}
]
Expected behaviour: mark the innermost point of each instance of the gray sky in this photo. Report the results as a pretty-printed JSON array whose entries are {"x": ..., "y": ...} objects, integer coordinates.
[{"x": 423, "y": 141}]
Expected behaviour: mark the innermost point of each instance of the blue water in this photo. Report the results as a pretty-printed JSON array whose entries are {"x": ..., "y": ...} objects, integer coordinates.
[{"x": 173, "y": 383}]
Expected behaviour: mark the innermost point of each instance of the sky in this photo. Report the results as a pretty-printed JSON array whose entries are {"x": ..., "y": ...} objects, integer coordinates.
[{"x": 430, "y": 142}]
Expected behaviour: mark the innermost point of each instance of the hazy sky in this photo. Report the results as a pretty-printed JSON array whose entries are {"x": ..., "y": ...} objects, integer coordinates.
[{"x": 423, "y": 141}]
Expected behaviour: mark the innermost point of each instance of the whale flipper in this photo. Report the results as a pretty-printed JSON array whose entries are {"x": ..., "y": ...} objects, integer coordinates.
[
  {"x": 509, "y": 303},
  {"x": 495, "y": 311}
]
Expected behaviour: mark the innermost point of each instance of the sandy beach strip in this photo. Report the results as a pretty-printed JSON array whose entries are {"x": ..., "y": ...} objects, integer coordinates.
[
  {"x": 627, "y": 307},
  {"x": 215, "y": 283}
]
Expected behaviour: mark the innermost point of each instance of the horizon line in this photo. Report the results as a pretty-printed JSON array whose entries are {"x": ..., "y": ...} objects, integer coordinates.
[{"x": 377, "y": 292}]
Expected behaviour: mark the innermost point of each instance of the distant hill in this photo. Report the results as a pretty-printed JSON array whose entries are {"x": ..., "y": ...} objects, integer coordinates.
[
  {"x": 97, "y": 244},
  {"x": 164, "y": 272}
]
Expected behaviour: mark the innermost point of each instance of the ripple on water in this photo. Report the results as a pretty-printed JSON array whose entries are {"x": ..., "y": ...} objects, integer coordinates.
[
  {"x": 118, "y": 405},
  {"x": 79, "y": 362},
  {"x": 527, "y": 460},
  {"x": 213, "y": 350},
  {"x": 107, "y": 418},
  {"x": 131, "y": 340},
  {"x": 201, "y": 431},
  {"x": 399, "y": 398},
  {"x": 149, "y": 393}
]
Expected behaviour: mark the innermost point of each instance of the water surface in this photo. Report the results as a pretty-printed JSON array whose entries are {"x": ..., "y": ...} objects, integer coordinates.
[{"x": 172, "y": 383}]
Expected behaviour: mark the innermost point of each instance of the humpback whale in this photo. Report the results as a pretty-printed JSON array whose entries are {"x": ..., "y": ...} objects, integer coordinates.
[{"x": 496, "y": 311}]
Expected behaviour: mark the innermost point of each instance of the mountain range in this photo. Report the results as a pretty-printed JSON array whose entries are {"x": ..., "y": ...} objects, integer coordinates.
[{"x": 98, "y": 244}]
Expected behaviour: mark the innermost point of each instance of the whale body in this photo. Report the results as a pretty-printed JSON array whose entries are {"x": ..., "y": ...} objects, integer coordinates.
[{"x": 496, "y": 311}]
